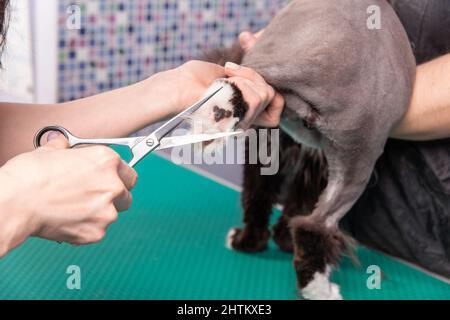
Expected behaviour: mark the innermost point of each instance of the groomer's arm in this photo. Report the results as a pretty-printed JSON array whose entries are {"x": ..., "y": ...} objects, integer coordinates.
[
  {"x": 428, "y": 117},
  {"x": 113, "y": 114},
  {"x": 121, "y": 112}
]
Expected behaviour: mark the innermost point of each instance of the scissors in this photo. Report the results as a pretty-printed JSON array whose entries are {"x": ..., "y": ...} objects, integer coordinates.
[{"x": 142, "y": 146}]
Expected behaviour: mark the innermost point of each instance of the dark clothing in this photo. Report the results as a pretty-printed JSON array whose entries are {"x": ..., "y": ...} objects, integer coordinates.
[
  {"x": 427, "y": 23},
  {"x": 405, "y": 210}
]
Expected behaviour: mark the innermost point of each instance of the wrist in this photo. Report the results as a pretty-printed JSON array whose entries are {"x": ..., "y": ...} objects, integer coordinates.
[
  {"x": 15, "y": 219},
  {"x": 162, "y": 94}
]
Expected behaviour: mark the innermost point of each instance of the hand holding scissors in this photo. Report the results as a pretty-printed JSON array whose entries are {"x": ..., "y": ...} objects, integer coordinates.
[{"x": 142, "y": 146}]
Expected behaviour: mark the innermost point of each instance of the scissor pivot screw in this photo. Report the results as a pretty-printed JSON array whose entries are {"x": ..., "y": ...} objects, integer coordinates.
[{"x": 150, "y": 142}]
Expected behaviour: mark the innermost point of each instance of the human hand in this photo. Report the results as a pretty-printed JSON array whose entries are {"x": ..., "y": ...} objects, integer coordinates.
[
  {"x": 67, "y": 195},
  {"x": 271, "y": 115},
  {"x": 248, "y": 39},
  {"x": 265, "y": 105}
]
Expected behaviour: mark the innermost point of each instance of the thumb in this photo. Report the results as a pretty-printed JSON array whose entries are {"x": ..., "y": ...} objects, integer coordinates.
[
  {"x": 270, "y": 118},
  {"x": 56, "y": 140},
  {"x": 127, "y": 175},
  {"x": 247, "y": 40}
]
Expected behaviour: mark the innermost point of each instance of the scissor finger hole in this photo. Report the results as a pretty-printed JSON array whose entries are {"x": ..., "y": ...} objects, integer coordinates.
[{"x": 44, "y": 133}]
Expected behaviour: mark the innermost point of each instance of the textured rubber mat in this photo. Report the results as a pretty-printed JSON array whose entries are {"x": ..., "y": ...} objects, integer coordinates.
[{"x": 171, "y": 246}]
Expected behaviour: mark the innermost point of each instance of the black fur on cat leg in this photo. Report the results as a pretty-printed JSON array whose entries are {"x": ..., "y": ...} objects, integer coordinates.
[
  {"x": 317, "y": 250},
  {"x": 258, "y": 197},
  {"x": 310, "y": 178}
]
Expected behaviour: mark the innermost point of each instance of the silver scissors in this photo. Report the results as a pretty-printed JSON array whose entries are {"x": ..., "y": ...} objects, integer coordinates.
[{"x": 142, "y": 146}]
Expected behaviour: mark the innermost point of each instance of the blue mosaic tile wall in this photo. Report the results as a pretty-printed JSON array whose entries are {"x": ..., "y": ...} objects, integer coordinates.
[{"x": 121, "y": 42}]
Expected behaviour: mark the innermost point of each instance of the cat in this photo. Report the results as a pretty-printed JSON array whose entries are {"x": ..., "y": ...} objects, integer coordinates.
[{"x": 345, "y": 85}]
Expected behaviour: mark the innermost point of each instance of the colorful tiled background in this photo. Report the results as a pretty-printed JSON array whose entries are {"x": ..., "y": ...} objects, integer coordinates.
[{"x": 121, "y": 42}]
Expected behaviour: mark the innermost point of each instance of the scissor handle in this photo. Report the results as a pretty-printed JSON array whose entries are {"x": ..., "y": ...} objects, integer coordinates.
[
  {"x": 43, "y": 131},
  {"x": 76, "y": 141}
]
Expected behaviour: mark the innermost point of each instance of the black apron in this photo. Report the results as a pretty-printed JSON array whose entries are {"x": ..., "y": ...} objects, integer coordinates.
[{"x": 405, "y": 210}]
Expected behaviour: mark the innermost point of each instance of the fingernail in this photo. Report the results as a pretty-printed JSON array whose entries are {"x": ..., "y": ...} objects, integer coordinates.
[
  {"x": 52, "y": 135},
  {"x": 133, "y": 184},
  {"x": 232, "y": 66}
]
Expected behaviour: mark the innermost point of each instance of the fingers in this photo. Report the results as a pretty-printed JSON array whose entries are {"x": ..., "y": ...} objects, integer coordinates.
[
  {"x": 252, "y": 79},
  {"x": 125, "y": 179},
  {"x": 235, "y": 70},
  {"x": 120, "y": 178},
  {"x": 109, "y": 160},
  {"x": 258, "y": 95},
  {"x": 270, "y": 118},
  {"x": 93, "y": 232},
  {"x": 124, "y": 201},
  {"x": 248, "y": 39},
  {"x": 127, "y": 174},
  {"x": 56, "y": 141},
  {"x": 128, "y": 178},
  {"x": 87, "y": 200}
]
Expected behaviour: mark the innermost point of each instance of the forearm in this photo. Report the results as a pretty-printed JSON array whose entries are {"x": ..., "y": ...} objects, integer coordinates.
[
  {"x": 120, "y": 112},
  {"x": 428, "y": 117},
  {"x": 114, "y": 114}
]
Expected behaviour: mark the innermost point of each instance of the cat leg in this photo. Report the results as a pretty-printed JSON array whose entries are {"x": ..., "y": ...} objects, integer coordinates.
[
  {"x": 310, "y": 178},
  {"x": 221, "y": 113},
  {"x": 316, "y": 252},
  {"x": 318, "y": 242},
  {"x": 258, "y": 197}
]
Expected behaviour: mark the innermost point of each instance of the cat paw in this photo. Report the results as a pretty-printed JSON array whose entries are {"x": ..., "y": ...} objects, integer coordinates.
[
  {"x": 320, "y": 288},
  {"x": 221, "y": 113},
  {"x": 230, "y": 238},
  {"x": 247, "y": 241},
  {"x": 331, "y": 293}
]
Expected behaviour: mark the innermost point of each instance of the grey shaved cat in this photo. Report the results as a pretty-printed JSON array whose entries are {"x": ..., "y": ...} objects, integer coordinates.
[{"x": 345, "y": 85}]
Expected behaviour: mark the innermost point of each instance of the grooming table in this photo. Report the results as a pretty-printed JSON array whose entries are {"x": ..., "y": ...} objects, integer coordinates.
[{"x": 170, "y": 245}]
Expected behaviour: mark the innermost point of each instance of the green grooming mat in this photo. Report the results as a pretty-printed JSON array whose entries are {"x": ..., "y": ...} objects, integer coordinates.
[{"x": 170, "y": 245}]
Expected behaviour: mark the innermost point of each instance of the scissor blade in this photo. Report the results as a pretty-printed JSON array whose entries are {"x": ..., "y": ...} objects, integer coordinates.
[
  {"x": 153, "y": 140},
  {"x": 179, "y": 141},
  {"x": 174, "y": 122}
]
